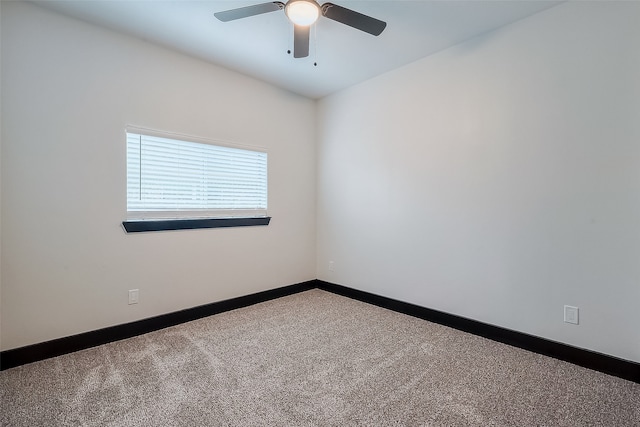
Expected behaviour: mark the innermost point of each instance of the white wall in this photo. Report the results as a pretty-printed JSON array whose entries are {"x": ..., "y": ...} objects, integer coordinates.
[
  {"x": 68, "y": 91},
  {"x": 497, "y": 180}
]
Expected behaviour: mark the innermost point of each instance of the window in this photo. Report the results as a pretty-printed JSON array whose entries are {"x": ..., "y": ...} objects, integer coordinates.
[{"x": 170, "y": 180}]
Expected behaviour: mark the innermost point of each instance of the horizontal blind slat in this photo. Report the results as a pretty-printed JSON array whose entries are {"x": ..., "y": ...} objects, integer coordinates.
[{"x": 166, "y": 175}]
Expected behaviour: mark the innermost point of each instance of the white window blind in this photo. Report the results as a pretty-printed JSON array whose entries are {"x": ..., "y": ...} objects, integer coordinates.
[{"x": 169, "y": 178}]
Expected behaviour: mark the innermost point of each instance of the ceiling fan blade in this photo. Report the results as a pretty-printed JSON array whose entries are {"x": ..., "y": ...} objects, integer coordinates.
[
  {"x": 245, "y": 12},
  {"x": 353, "y": 19},
  {"x": 301, "y": 41}
]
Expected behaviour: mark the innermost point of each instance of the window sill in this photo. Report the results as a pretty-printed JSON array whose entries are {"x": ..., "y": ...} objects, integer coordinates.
[{"x": 191, "y": 224}]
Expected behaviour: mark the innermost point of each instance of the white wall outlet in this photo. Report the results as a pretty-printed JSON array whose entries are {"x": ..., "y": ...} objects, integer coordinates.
[
  {"x": 133, "y": 296},
  {"x": 571, "y": 314},
  {"x": 331, "y": 265}
]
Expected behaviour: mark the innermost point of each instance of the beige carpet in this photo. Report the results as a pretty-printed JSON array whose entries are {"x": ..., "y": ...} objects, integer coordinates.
[{"x": 313, "y": 358}]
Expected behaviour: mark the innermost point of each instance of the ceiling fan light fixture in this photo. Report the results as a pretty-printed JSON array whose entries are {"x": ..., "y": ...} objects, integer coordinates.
[{"x": 302, "y": 12}]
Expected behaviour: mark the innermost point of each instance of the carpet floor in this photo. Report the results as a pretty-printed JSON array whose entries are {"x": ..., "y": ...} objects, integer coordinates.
[{"x": 312, "y": 359}]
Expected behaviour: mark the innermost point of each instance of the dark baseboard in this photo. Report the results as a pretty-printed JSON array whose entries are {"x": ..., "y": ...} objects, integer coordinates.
[
  {"x": 611, "y": 365},
  {"x": 33, "y": 353},
  {"x": 589, "y": 359}
]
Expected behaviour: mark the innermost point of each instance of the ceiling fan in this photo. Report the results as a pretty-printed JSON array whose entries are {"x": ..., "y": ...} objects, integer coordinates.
[{"x": 303, "y": 13}]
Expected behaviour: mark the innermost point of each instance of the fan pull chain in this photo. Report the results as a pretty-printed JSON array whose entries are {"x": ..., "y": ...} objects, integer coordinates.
[{"x": 315, "y": 44}]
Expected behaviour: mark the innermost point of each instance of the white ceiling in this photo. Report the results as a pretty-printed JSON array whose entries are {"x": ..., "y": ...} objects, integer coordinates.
[{"x": 257, "y": 46}]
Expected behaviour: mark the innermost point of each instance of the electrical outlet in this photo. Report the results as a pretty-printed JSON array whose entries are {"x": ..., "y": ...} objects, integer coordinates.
[
  {"x": 330, "y": 265},
  {"x": 571, "y": 314},
  {"x": 133, "y": 296}
]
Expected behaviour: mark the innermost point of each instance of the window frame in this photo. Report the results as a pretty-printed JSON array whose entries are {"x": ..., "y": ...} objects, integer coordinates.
[{"x": 189, "y": 219}]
